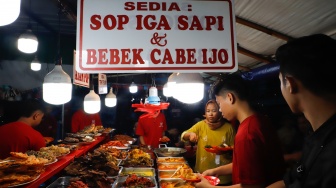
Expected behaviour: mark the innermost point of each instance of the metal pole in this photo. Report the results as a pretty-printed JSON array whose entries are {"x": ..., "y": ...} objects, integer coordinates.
[{"x": 62, "y": 123}]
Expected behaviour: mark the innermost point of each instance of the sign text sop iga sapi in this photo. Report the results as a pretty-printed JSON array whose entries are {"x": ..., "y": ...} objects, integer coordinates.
[{"x": 153, "y": 22}]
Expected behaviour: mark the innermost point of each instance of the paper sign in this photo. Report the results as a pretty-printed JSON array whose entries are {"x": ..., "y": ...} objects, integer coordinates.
[
  {"x": 156, "y": 36},
  {"x": 81, "y": 79},
  {"x": 102, "y": 83}
]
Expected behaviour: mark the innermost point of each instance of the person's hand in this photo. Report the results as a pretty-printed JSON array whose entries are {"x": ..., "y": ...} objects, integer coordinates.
[
  {"x": 204, "y": 183},
  {"x": 164, "y": 139},
  {"x": 193, "y": 137},
  {"x": 210, "y": 172}
]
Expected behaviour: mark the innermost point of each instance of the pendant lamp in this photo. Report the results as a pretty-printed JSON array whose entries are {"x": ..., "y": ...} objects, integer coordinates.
[
  {"x": 111, "y": 99},
  {"x": 91, "y": 102},
  {"x": 9, "y": 11},
  {"x": 153, "y": 96},
  {"x": 35, "y": 65},
  {"x": 28, "y": 42},
  {"x": 167, "y": 91},
  {"x": 133, "y": 88},
  {"x": 57, "y": 86},
  {"x": 189, "y": 88},
  {"x": 171, "y": 83}
]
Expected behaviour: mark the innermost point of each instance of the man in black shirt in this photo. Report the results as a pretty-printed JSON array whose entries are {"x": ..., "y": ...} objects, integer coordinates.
[{"x": 308, "y": 84}]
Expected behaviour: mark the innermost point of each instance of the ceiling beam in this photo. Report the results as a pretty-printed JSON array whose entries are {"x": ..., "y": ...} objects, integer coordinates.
[
  {"x": 68, "y": 10},
  {"x": 263, "y": 29},
  {"x": 254, "y": 55},
  {"x": 37, "y": 19}
]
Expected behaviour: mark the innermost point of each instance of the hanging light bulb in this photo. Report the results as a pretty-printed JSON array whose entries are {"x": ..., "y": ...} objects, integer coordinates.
[
  {"x": 171, "y": 83},
  {"x": 28, "y": 42},
  {"x": 92, "y": 102},
  {"x": 153, "y": 96},
  {"x": 57, "y": 86},
  {"x": 110, "y": 99},
  {"x": 35, "y": 65},
  {"x": 167, "y": 91},
  {"x": 189, "y": 88},
  {"x": 9, "y": 11},
  {"x": 133, "y": 88}
]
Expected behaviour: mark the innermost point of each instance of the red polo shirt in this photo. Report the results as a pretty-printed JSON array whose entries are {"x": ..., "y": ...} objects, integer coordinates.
[
  {"x": 19, "y": 137},
  {"x": 151, "y": 129},
  {"x": 257, "y": 155},
  {"x": 80, "y": 119}
]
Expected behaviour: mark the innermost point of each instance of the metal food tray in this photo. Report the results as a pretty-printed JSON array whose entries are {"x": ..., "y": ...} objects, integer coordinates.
[
  {"x": 172, "y": 164},
  {"x": 123, "y": 163},
  {"x": 146, "y": 172},
  {"x": 122, "y": 179},
  {"x": 166, "y": 174},
  {"x": 168, "y": 180},
  {"x": 164, "y": 160},
  {"x": 64, "y": 182},
  {"x": 61, "y": 182}
]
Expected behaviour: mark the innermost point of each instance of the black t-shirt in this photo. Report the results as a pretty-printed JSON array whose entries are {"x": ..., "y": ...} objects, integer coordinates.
[{"x": 317, "y": 169}]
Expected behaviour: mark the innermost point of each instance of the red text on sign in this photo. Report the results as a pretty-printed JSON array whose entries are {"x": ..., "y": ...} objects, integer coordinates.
[
  {"x": 152, "y": 6},
  {"x": 114, "y": 56},
  {"x": 110, "y": 22}
]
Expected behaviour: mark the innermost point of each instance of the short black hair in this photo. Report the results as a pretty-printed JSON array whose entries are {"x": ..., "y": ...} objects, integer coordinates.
[
  {"x": 310, "y": 59},
  {"x": 28, "y": 107},
  {"x": 232, "y": 83}
]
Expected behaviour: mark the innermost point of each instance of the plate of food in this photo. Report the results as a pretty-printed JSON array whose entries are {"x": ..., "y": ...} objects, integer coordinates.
[
  {"x": 190, "y": 177},
  {"x": 218, "y": 149},
  {"x": 51, "y": 162},
  {"x": 29, "y": 181}
]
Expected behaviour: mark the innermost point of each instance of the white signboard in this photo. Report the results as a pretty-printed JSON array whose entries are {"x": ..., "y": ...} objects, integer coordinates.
[
  {"x": 102, "y": 83},
  {"x": 81, "y": 79},
  {"x": 156, "y": 36}
]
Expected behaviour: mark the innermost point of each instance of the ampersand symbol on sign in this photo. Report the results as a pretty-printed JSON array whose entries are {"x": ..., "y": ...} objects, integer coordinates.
[{"x": 157, "y": 39}]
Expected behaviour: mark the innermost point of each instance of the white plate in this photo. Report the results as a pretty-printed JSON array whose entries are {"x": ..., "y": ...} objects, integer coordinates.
[
  {"x": 63, "y": 155},
  {"x": 120, "y": 147},
  {"x": 52, "y": 162},
  {"x": 25, "y": 182}
]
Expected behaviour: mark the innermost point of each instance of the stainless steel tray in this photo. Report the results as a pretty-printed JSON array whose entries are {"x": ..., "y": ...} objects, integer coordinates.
[
  {"x": 166, "y": 174},
  {"x": 122, "y": 179},
  {"x": 61, "y": 182},
  {"x": 64, "y": 182},
  {"x": 147, "y": 172},
  {"x": 172, "y": 181},
  {"x": 170, "y": 160},
  {"x": 124, "y": 163}
]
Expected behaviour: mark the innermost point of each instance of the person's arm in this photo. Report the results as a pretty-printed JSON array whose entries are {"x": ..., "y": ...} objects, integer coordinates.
[
  {"x": 205, "y": 184},
  {"x": 142, "y": 140},
  {"x": 219, "y": 171},
  {"x": 278, "y": 184},
  {"x": 192, "y": 137}
]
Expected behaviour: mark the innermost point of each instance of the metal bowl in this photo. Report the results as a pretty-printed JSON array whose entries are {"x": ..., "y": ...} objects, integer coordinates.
[{"x": 170, "y": 151}]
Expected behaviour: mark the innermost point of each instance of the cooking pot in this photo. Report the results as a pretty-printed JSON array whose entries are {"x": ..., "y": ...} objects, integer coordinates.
[{"x": 164, "y": 151}]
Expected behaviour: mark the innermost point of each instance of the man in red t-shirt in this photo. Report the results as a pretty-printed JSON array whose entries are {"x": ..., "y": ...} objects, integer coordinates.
[
  {"x": 257, "y": 156},
  {"x": 20, "y": 136},
  {"x": 150, "y": 129},
  {"x": 80, "y": 119}
]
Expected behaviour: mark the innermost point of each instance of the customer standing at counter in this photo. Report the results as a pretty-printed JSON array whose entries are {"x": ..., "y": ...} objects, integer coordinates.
[
  {"x": 81, "y": 119},
  {"x": 151, "y": 128},
  {"x": 214, "y": 131},
  {"x": 257, "y": 156},
  {"x": 307, "y": 76},
  {"x": 20, "y": 136}
]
